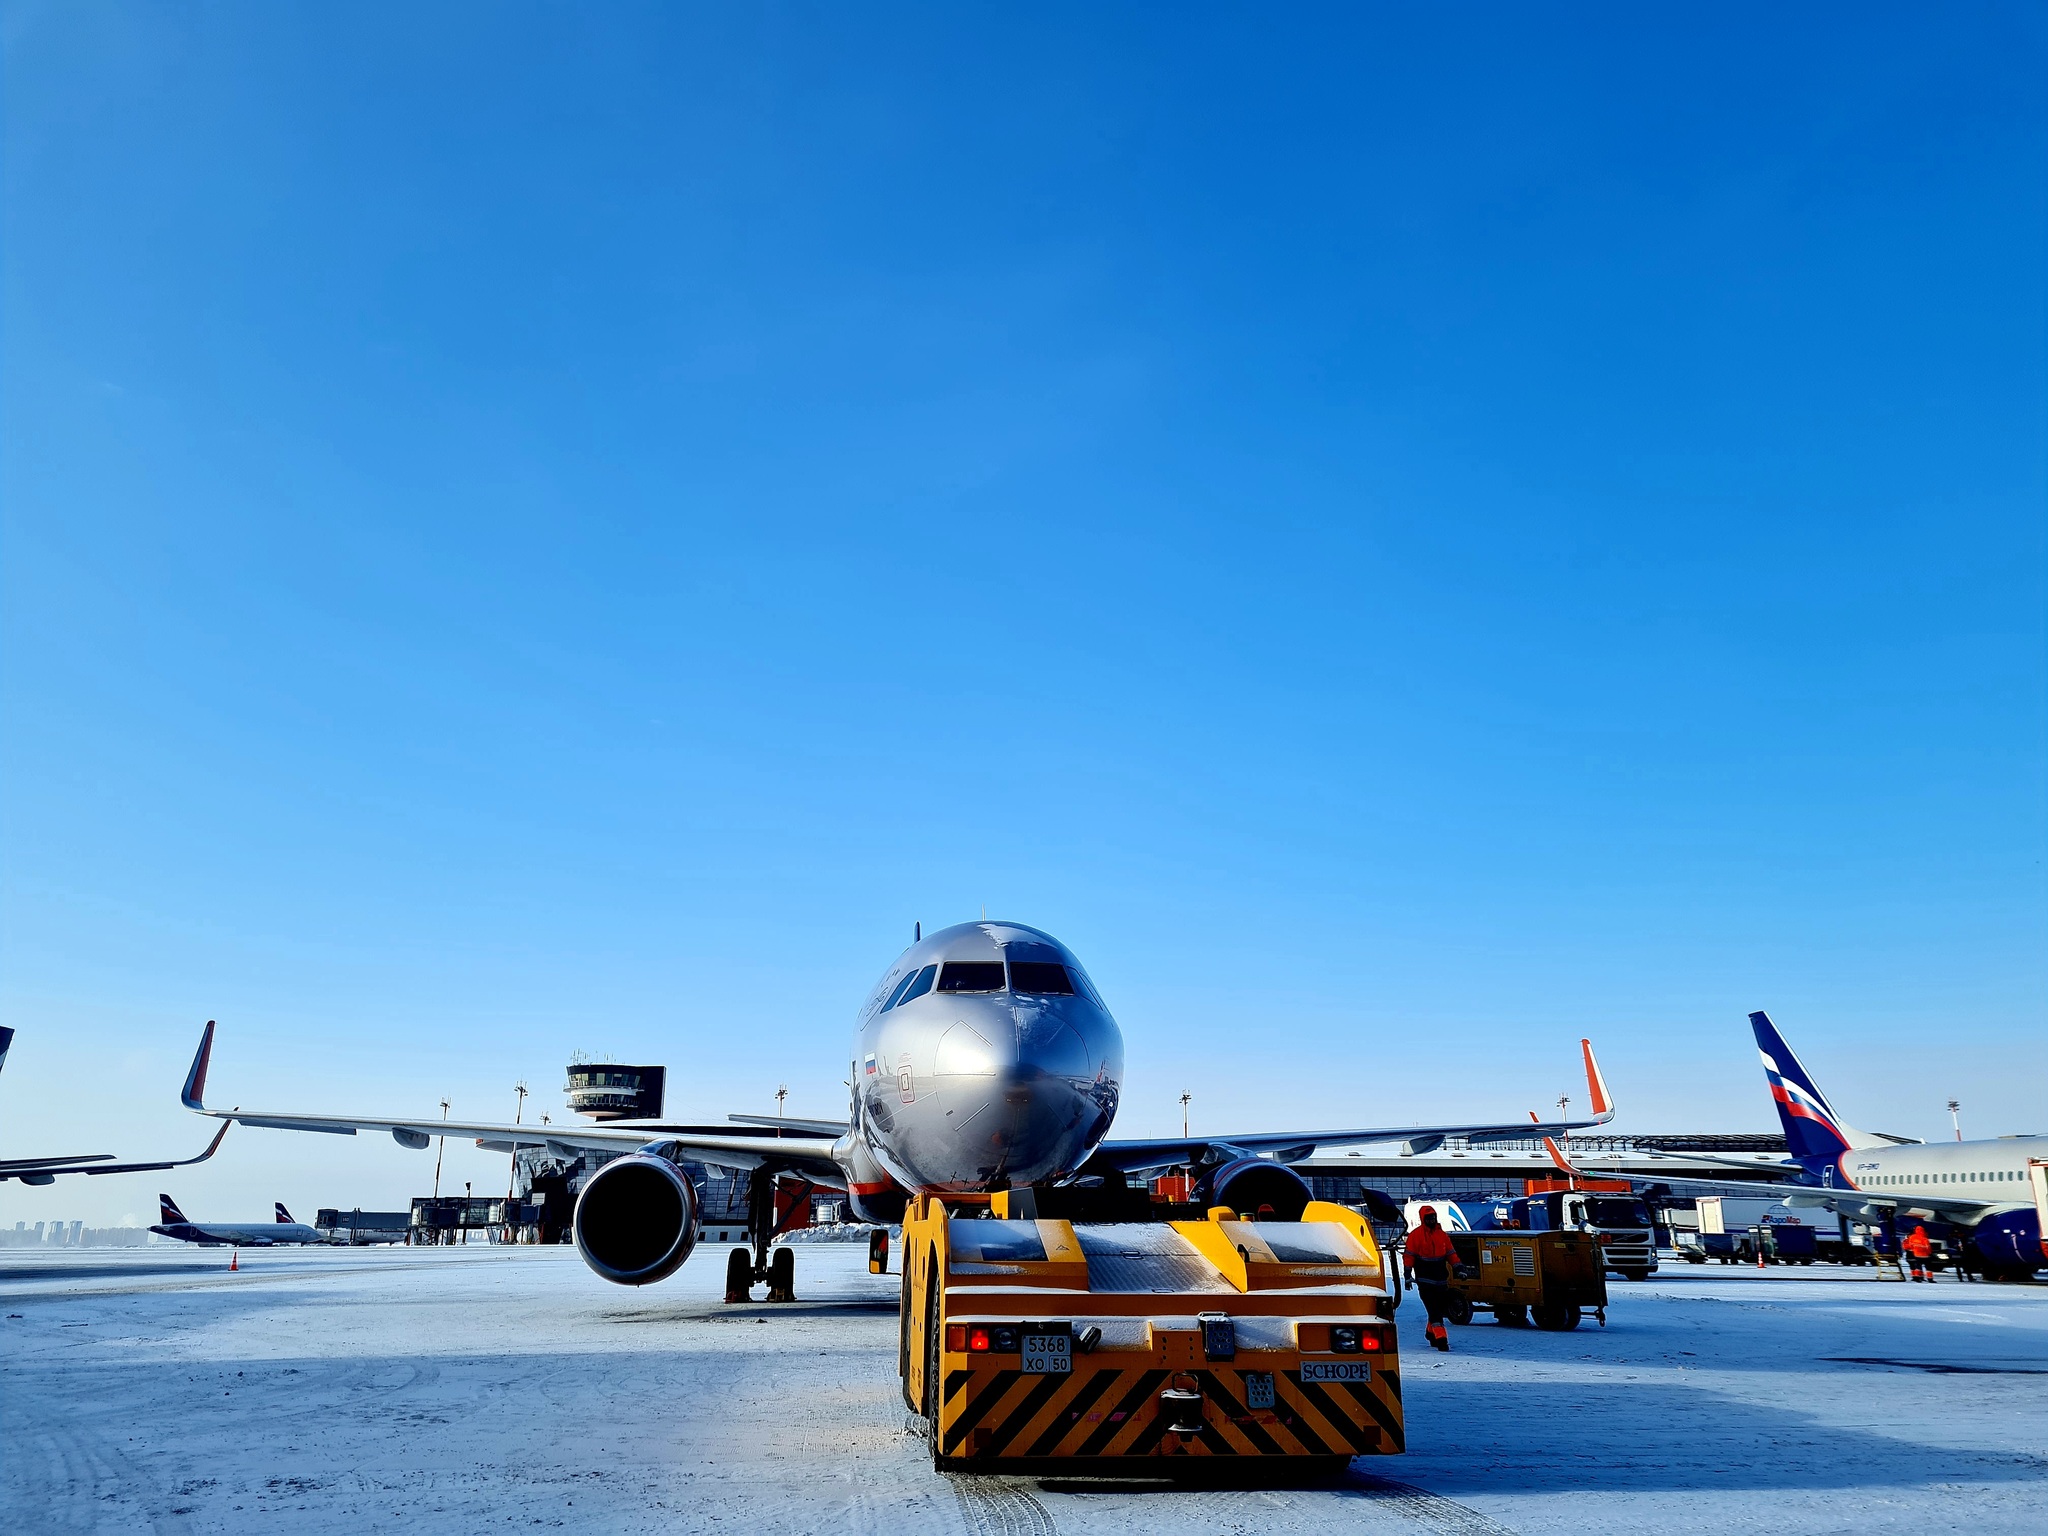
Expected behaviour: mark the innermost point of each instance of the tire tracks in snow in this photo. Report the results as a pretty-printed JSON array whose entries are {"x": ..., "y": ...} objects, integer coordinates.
[{"x": 998, "y": 1506}]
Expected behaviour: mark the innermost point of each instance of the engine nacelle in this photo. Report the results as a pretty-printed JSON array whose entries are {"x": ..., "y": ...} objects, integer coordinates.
[
  {"x": 637, "y": 1219},
  {"x": 2010, "y": 1241},
  {"x": 1252, "y": 1186}
]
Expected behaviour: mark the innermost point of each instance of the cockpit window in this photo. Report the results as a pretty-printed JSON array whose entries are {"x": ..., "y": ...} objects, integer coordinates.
[
  {"x": 972, "y": 976},
  {"x": 1040, "y": 976},
  {"x": 896, "y": 992},
  {"x": 914, "y": 985}
]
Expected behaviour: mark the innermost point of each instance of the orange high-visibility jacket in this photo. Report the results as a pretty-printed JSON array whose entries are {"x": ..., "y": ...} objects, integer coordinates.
[
  {"x": 1430, "y": 1243},
  {"x": 1917, "y": 1244}
]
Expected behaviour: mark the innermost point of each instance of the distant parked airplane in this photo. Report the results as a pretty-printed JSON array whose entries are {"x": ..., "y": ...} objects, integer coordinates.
[
  {"x": 1992, "y": 1194},
  {"x": 235, "y": 1234}
]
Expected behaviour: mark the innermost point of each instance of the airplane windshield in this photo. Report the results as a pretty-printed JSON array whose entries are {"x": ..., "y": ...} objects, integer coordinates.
[
  {"x": 915, "y": 986},
  {"x": 1038, "y": 976},
  {"x": 972, "y": 976}
]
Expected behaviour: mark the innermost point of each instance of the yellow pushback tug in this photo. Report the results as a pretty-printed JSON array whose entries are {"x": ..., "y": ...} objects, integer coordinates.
[{"x": 1027, "y": 1340}]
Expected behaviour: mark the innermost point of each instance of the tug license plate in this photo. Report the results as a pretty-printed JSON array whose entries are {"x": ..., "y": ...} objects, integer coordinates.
[
  {"x": 1048, "y": 1354},
  {"x": 1336, "y": 1370}
]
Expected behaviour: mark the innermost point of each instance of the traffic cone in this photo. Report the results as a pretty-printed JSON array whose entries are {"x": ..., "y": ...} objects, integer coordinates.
[{"x": 234, "y": 1260}]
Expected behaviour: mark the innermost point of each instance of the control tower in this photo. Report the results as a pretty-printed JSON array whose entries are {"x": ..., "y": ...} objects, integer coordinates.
[{"x": 610, "y": 1090}]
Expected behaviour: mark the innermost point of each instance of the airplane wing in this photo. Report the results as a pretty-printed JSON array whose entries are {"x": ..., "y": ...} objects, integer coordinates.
[
  {"x": 1850, "y": 1202},
  {"x": 43, "y": 1171},
  {"x": 743, "y": 1148},
  {"x": 1292, "y": 1146},
  {"x": 29, "y": 1164},
  {"x": 832, "y": 1128}
]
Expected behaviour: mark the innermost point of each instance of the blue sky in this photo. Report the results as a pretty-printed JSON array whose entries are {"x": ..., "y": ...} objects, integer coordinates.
[{"x": 1404, "y": 538}]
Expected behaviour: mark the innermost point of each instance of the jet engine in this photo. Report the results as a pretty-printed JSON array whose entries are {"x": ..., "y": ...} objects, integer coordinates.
[
  {"x": 1253, "y": 1186},
  {"x": 637, "y": 1219}
]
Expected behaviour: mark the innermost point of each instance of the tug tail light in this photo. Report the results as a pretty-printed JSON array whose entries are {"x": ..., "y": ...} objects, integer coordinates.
[
  {"x": 980, "y": 1339},
  {"x": 1343, "y": 1339}
]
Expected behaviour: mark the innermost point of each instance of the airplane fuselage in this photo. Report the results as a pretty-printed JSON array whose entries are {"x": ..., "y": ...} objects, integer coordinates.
[
  {"x": 983, "y": 1058},
  {"x": 250, "y": 1234},
  {"x": 1994, "y": 1172}
]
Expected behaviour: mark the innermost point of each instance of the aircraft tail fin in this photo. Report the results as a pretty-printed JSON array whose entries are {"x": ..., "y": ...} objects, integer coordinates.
[
  {"x": 168, "y": 1209},
  {"x": 1813, "y": 1131},
  {"x": 6, "y": 1039},
  {"x": 284, "y": 1217}
]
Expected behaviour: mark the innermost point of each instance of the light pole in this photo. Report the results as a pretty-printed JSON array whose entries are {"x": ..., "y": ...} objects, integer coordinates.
[
  {"x": 781, "y": 1093},
  {"x": 1955, "y": 1118},
  {"x": 1184, "y": 1097},
  {"x": 440, "y": 1146},
  {"x": 512, "y": 1171}
]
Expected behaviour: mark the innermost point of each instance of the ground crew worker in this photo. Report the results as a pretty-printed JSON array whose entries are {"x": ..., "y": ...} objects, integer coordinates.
[
  {"x": 1919, "y": 1252},
  {"x": 1430, "y": 1256}
]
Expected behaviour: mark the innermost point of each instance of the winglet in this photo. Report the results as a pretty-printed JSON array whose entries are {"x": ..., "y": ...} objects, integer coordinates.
[
  {"x": 212, "y": 1147},
  {"x": 193, "y": 1095},
  {"x": 1596, "y": 1085},
  {"x": 1563, "y": 1163}
]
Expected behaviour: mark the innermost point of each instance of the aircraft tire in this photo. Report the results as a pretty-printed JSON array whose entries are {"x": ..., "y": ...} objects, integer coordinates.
[
  {"x": 782, "y": 1275},
  {"x": 739, "y": 1275}
]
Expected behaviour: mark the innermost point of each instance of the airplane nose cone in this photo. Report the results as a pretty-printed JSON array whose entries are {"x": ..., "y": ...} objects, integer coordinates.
[{"x": 1026, "y": 1091}]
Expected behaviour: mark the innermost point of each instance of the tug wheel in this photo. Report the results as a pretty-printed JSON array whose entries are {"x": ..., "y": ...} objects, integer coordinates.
[
  {"x": 933, "y": 1387},
  {"x": 1459, "y": 1310},
  {"x": 1557, "y": 1319},
  {"x": 1511, "y": 1314}
]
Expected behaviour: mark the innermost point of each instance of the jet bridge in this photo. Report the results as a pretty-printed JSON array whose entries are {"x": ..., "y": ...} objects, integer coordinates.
[{"x": 1031, "y": 1341}]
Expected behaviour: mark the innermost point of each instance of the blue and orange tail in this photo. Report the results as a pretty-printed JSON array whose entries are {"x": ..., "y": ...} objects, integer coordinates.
[
  {"x": 172, "y": 1216},
  {"x": 1814, "y": 1133}
]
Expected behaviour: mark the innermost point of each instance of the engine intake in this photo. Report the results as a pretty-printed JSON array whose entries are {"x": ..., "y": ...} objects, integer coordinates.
[
  {"x": 1252, "y": 1186},
  {"x": 637, "y": 1219}
]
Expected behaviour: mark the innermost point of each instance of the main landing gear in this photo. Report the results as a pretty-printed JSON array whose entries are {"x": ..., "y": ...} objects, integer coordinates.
[{"x": 747, "y": 1267}]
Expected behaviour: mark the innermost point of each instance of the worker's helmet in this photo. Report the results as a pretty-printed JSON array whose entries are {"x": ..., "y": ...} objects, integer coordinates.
[{"x": 1427, "y": 1212}]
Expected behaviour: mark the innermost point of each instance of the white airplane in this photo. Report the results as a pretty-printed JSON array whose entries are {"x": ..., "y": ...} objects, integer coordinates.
[
  {"x": 44, "y": 1170},
  {"x": 282, "y": 1231},
  {"x": 984, "y": 1059},
  {"x": 1993, "y": 1193}
]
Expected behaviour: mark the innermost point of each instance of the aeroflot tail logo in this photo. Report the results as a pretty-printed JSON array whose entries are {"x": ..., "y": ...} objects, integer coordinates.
[{"x": 1800, "y": 1104}]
